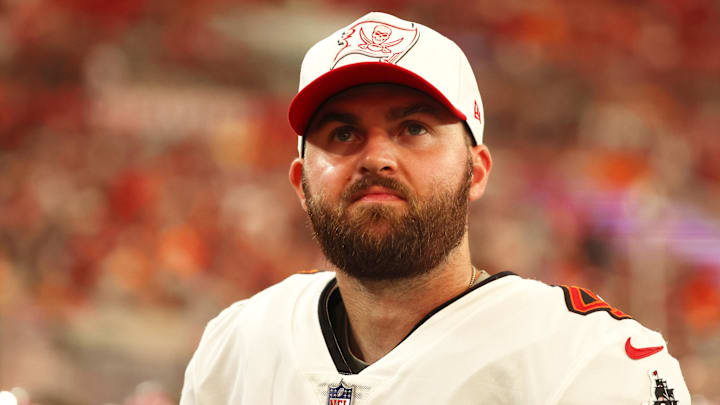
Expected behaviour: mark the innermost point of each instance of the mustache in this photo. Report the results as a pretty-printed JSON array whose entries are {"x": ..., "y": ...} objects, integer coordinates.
[{"x": 376, "y": 180}]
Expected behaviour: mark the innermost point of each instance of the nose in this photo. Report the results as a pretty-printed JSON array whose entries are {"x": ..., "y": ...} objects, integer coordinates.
[{"x": 379, "y": 153}]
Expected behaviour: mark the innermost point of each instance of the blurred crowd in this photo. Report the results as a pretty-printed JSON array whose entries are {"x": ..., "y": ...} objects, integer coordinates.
[{"x": 144, "y": 151}]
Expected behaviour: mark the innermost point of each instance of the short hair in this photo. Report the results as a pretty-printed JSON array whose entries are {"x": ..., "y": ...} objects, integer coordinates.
[{"x": 469, "y": 139}]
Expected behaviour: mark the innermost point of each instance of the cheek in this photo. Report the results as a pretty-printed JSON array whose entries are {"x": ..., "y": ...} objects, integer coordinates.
[
  {"x": 326, "y": 176},
  {"x": 440, "y": 172}
]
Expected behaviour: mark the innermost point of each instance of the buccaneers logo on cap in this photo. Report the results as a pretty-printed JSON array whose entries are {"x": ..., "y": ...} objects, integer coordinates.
[{"x": 377, "y": 40}]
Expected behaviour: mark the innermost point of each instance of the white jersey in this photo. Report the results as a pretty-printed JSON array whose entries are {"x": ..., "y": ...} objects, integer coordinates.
[{"x": 508, "y": 340}]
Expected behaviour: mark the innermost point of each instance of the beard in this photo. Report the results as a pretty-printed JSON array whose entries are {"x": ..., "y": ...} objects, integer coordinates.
[{"x": 381, "y": 243}]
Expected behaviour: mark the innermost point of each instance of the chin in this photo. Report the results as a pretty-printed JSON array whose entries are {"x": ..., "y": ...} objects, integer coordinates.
[
  {"x": 379, "y": 229},
  {"x": 376, "y": 213}
]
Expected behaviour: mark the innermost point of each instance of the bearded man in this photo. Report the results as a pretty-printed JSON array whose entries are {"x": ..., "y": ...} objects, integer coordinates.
[{"x": 390, "y": 155}]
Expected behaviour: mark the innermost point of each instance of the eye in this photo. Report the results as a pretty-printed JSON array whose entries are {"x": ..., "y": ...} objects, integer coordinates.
[
  {"x": 415, "y": 129},
  {"x": 343, "y": 134}
]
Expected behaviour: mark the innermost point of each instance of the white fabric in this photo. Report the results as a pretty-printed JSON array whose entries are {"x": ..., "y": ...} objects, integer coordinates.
[{"x": 511, "y": 341}]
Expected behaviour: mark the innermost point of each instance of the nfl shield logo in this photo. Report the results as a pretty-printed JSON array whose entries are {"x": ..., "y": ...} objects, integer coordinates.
[{"x": 340, "y": 395}]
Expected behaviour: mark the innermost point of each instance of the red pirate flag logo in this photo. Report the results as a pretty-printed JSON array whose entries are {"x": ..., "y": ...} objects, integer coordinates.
[{"x": 378, "y": 40}]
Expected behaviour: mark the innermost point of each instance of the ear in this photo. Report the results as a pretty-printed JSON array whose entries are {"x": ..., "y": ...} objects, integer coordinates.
[
  {"x": 295, "y": 175},
  {"x": 482, "y": 164}
]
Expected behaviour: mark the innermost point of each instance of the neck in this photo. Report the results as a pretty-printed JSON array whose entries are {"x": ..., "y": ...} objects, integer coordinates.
[{"x": 382, "y": 313}]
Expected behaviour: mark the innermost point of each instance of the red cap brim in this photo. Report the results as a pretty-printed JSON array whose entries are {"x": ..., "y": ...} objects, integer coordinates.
[{"x": 305, "y": 103}]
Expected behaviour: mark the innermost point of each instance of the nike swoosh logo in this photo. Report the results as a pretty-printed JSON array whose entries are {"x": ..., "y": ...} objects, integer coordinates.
[{"x": 637, "y": 353}]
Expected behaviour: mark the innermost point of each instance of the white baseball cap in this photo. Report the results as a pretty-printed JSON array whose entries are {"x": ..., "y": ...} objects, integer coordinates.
[{"x": 381, "y": 48}]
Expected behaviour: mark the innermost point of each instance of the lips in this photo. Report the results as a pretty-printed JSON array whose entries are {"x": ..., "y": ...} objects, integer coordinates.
[{"x": 377, "y": 193}]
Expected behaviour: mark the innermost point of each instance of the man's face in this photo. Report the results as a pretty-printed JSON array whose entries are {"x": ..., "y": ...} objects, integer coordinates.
[{"x": 386, "y": 180}]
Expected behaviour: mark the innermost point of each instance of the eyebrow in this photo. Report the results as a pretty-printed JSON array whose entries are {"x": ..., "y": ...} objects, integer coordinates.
[
  {"x": 402, "y": 112},
  {"x": 331, "y": 116}
]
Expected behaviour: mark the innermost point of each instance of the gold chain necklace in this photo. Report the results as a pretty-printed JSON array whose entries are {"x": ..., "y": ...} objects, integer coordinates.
[{"x": 473, "y": 275}]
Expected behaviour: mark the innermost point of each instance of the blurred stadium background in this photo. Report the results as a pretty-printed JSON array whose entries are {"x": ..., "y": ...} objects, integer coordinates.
[{"x": 144, "y": 150}]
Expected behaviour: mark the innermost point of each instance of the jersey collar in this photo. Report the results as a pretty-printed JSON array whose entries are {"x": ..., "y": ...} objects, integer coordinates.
[{"x": 330, "y": 303}]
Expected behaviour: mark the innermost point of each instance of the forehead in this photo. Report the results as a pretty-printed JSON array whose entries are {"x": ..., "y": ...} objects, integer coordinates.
[{"x": 359, "y": 99}]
